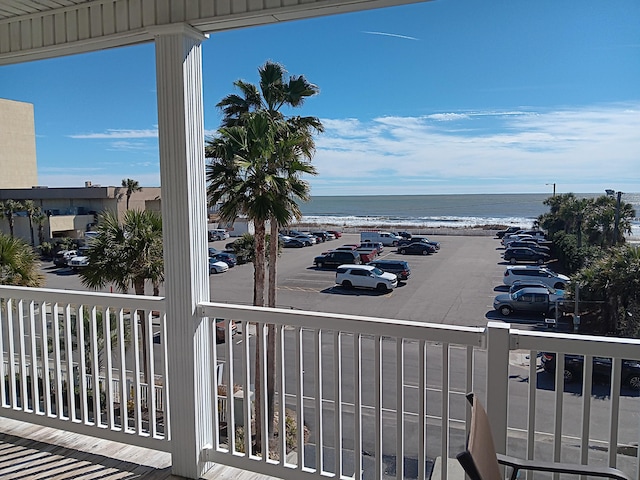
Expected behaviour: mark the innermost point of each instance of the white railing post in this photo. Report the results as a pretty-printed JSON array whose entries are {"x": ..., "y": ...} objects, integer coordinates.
[
  {"x": 497, "y": 381},
  {"x": 184, "y": 216}
]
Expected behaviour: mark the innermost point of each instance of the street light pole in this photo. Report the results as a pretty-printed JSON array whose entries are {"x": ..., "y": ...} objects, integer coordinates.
[{"x": 554, "y": 188}]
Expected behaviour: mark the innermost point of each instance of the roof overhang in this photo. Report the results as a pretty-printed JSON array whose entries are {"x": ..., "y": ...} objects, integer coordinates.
[{"x": 45, "y": 29}]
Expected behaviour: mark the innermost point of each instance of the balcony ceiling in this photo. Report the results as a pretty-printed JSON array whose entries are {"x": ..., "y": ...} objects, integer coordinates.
[{"x": 39, "y": 29}]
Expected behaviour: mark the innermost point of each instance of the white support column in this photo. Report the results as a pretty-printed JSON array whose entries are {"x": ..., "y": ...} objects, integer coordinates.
[
  {"x": 498, "y": 382},
  {"x": 184, "y": 216}
]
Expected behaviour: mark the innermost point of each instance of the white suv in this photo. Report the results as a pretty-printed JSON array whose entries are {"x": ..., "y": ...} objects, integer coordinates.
[
  {"x": 539, "y": 274},
  {"x": 365, "y": 276}
]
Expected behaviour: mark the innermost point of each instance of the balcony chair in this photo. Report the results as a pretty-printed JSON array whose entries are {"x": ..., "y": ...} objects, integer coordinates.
[{"x": 481, "y": 462}]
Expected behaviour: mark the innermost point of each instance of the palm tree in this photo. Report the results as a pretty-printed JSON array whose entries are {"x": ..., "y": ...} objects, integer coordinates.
[
  {"x": 7, "y": 209},
  {"x": 127, "y": 255},
  {"x": 32, "y": 211},
  {"x": 292, "y": 147},
  {"x": 39, "y": 219},
  {"x": 293, "y": 140},
  {"x": 132, "y": 186},
  {"x": 18, "y": 263}
]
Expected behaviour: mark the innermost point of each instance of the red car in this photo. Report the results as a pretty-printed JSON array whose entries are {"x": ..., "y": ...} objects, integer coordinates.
[{"x": 336, "y": 233}]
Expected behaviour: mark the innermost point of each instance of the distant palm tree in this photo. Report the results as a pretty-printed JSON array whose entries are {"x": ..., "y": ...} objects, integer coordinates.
[
  {"x": 132, "y": 186},
  {"x": 32, "y": 211},
  {"x": 39, "y": 218},
  {"x": 18, "y": 263},
  {"x": 7, "y": 210}
]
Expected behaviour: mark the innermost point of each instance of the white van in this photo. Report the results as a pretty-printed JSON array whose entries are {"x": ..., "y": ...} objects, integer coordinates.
[{"x": 386, "y": 238}]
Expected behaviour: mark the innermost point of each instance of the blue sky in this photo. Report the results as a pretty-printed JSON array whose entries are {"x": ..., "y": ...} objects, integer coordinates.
[{"x": 449, "y": 96}]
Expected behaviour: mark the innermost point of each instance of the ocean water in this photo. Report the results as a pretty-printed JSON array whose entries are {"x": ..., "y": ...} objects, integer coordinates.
[{"x": 434, "y": 211}]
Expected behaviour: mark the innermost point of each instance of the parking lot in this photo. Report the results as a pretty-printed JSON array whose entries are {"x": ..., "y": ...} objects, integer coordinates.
[{"x": 455, "y": 286}]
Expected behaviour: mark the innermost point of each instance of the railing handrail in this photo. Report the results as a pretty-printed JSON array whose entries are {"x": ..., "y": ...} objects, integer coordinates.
[
  {"x": 409, "y": 329},
  {"x": 51, "y": 295}
]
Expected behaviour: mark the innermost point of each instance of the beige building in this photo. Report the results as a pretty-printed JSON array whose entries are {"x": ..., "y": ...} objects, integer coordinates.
[
  {"x": 17, "y": 145},
  {"x": 71, "y": 211}
]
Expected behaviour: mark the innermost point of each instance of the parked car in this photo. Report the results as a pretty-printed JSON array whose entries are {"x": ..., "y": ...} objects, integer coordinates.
[
  {"x": 377, "y": 245},
  {"x": 532, "y": 244},
  {"x": 435, "y": 244},
  {"x": 229, "y": 258},
  {"x": 525, "y": 254},
  {"x": 574, "y": 365},
  {"x": 308, "y": 240},
  {"x": 335, "y": 233},
  {"x": 535, "y": 233},
  {"x": 398, "y": 267},
  {"x": 216, "y": 266},
  {"x": 217, "y": 234},
  {"x": 519, "y": 236},
  {"x": 528, "y": 300},
  {"x": 78, "y": 262},
  {"x": 365, "y": 276},
  {"x": 61, "y": 258},
  {"x": 386, "y": 238},
  {"x": 531, "y": 272},
  {"x": 508, "y": 231},
  {"x": 321, "y": 236},
  {"x": 405, "y": 235},
  {"x": 334, "y": 259},
  {"x": 293, "y": 243},
  {"x": 420, "y": 248},
  {"x": 554, "y": 293}
]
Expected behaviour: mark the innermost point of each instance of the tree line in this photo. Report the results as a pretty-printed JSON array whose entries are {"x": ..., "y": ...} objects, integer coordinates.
[{"x": 589, "y": 239}]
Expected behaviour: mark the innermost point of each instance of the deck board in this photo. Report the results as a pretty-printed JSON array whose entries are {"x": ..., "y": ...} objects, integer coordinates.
[{"x": 30, "y": 451}]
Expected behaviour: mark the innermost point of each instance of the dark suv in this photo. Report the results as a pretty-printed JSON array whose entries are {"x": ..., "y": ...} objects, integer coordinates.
[
  {"x": 335, "y": 258},
  {"x": 573, "y": 366},
  {"x": 399, "y": 267}
]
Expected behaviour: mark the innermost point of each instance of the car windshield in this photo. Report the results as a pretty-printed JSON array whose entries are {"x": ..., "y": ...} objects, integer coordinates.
[{"x": 377, "y": 271}]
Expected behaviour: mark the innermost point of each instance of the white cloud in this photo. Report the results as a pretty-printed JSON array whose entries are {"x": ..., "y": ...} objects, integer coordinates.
[
  {"x": 118, "y": 133},
  {"x": 580, "y": 146}
]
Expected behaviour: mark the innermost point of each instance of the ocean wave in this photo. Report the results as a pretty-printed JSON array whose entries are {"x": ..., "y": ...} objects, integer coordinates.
[{"x": 414, "y": 222}]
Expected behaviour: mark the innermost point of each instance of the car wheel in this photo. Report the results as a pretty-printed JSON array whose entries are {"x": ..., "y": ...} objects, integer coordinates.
[
  {"x": 569, "y": 376},
  {"x": 320, "y": 265},
  {"x": 505, "y": 310},
  {"x": 402, "y": 251},
  {"x": 425, "y": 252},
  {"x": 540, "y": 261},
  {"x": 512, "y": 261},
  {"x": 381, "y": 287},
  {"x": 347, "y": 284},
  {"x": 634, "y": 382},
  {"x": 552, "y": 313}
]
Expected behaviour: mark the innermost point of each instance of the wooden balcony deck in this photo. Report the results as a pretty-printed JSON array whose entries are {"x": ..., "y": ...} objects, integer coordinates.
[{"x": 30, "y": 451}]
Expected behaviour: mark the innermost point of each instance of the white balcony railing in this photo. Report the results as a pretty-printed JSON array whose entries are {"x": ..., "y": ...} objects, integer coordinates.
[{"x": 376, "y": 397}]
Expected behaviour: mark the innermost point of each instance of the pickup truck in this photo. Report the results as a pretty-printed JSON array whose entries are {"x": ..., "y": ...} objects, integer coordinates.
[{"x": 528, "y": 300}]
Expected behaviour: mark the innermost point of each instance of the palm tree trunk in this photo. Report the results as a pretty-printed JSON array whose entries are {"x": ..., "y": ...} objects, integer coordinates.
[
  {"x": 271, "y": 329},
  {"x": 273, "y": 258},
  {"x": 33, "y": 240},
  {"x": 138, "y": 286},
  {"x": 258, "y": 300}
]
